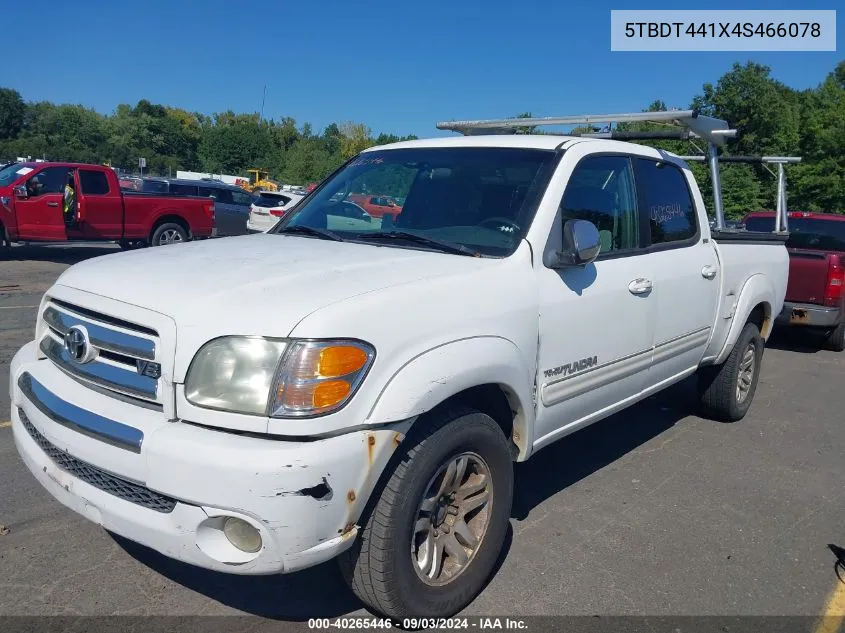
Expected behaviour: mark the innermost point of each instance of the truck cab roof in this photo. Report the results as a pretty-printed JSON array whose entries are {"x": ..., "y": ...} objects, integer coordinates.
[{"x": 549, "y": 142}]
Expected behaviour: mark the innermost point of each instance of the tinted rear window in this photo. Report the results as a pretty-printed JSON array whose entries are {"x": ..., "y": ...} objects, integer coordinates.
[
  {"x": 183, "y": 190},
  {"x": 154, "y": 186},
  {"x": 667, "y": 201},
  {"x": 268, "y": 202},
  {"x": 809, "y": 233},
  {"x": 93, "y": 183}
]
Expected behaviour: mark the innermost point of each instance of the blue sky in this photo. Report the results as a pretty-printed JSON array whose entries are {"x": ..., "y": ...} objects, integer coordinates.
[{"x": 397, "y": 66}]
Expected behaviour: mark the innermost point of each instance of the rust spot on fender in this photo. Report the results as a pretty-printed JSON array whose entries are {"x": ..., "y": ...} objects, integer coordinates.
[
  {"x": 346, "y": 532},
  {"x": 350, "y": 496},
  {"x": 371, "y": 443},
  {"x": 397, "y": 439}
]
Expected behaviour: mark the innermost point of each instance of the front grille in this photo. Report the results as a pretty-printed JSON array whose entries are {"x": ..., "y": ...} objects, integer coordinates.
[
  {"x": 92, "y": 475},
  {"x": 118, "y": 349}
]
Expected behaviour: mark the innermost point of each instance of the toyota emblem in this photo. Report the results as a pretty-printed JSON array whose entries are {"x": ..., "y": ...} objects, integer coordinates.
[{"x": 78, "y": 346}]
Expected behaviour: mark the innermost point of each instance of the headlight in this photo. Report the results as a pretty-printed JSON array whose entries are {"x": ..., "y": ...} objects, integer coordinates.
[
  {"x": 282, "y": 378},
  {"x": 320, "y": 376},
  {"x": 234, "y": 373}
]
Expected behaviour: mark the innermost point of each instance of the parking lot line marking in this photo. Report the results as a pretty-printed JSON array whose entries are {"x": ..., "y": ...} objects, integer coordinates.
[
  {"x": 4, "y": 425},
  {"x": 834, "y": 610}
]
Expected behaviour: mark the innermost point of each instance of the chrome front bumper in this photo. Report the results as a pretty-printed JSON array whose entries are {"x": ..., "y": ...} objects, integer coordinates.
[{"x": 169, "y": 484}]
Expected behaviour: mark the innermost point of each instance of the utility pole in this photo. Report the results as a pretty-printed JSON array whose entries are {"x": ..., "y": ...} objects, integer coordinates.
[{"x": 264, "y": 96}]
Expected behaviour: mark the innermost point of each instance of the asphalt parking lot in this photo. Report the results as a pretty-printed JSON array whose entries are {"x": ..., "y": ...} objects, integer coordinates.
[{"x": 652, "y": 512}]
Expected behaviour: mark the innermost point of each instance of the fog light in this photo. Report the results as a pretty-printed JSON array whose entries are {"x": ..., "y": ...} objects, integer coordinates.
[{"x": 242, "y": 535}]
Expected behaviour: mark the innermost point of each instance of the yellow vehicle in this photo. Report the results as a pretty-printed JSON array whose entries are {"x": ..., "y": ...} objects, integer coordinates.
[{"x": 259, "y": 180}]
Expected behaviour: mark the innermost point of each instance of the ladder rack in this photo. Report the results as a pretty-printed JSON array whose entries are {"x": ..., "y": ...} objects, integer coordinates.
[
  {"x": 781, "y": 215},
  {"x": 691, "y": 125},
  {"x": 712, "y": 130}
]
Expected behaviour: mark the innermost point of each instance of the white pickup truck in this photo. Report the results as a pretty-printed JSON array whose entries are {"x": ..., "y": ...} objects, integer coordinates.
[{"x": 261, "y": 404}]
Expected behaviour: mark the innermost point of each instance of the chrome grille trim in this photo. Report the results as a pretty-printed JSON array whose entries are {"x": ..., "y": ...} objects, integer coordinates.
[
  {"x": 117, "y": 348},
  {"x": 105, "y": 374},
  {"x": 102, "y": 337},
  {"x": 105, "y": 481},
  {"x": 77, "y": 419},
  {"x": 104, "y": 318},
  {"x": 138, "y": 402}
]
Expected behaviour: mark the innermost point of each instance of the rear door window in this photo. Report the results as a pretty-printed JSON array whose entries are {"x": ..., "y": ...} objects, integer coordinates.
[
  {"x": 666, "y": 201},
  {"x": 93, "y": 183},
  {"x": 241, "y": 198},
  {"x": 183, "y": 190},
  {"x": 223, "y": 196}
]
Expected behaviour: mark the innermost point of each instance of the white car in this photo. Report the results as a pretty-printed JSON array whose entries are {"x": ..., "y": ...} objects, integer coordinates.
[
  {"x": 262, "y": 404},
  {"x": 269, "y": 208}
]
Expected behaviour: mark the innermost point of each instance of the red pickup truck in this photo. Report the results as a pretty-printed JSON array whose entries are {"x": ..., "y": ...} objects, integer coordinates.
[
  {"x": 814, "y": 295},
  {"x": 32, "y": 208}
]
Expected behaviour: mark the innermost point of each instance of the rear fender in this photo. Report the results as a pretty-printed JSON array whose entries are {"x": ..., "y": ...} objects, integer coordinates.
[
  {"x": 757, "y": 289},
  {"x": 438, "y": 374}
]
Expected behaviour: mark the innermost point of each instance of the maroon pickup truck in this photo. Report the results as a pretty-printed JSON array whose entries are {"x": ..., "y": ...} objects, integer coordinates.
[
  {"x": 814, "y": 295},
  {"x": 32, "y": 208}
]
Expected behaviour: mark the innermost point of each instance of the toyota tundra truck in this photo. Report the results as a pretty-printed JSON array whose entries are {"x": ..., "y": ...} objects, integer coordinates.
[
  {"x": 62, "y": 202},
  {"x": 265, "y": 403}
]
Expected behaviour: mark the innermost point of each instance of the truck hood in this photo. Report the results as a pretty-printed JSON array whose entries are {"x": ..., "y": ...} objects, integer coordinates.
[{"x": 260, "y": 285}]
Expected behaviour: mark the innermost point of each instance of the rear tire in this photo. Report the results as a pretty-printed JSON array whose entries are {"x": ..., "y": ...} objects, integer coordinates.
[
  {"x": 835, "y": 340},
  {"x": 389, "y": 567},
  {"x": 725, "y": 391},
  {"x": 168, "y": 233}
]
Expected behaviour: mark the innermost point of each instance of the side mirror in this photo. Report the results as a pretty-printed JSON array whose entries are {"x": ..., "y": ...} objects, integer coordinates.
[
  {"x": 581, "y": 245},
  {"x": 21, "y": 193}
]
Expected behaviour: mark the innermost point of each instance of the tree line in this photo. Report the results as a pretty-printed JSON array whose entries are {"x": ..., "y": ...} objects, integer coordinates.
[
  {"x": 171, "y": 138},
  {"x": 773, "y": 120}
]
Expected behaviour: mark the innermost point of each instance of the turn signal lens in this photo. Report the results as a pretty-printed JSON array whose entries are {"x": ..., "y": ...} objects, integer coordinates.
[
  {"x": 319, "y": 377},
  {"x": 331, "y": 392},
  {"x": 340, "y": 360}
]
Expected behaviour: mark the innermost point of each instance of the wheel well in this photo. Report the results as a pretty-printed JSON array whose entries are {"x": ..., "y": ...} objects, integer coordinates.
[
  {"x": 493, "y": 400},
  {"x": 170, "y": 218},
  {"x": 761, "y": 316}
]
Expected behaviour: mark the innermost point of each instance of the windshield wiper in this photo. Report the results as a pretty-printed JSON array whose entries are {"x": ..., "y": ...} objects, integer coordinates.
[
  {"x": 310, "y": 230},
  {"x": 441, "y": 245}
]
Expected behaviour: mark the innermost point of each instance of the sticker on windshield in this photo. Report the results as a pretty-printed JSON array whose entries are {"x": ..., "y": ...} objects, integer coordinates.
[{"x": 23, "y": 171}]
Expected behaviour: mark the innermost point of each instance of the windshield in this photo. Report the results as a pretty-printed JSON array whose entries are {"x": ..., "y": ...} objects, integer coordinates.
[
  {"x": 479, "y": 198},
  {"x": 809, "y": 233},
  {"x": 10, "y": 173}
]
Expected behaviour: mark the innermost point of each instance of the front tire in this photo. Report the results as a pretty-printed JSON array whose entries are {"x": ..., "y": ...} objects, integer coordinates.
[
  {"x": 726, "y": 391},
  {"x": 435, "y": 530},
  {"x": 168, "y": 233}
]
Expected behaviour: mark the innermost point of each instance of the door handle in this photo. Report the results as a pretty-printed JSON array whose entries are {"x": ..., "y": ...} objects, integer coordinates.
[
  {"x": 52, "y": 204},
  {"x": 640, "y": 286},
  {"x": 709, "y": 272}
]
